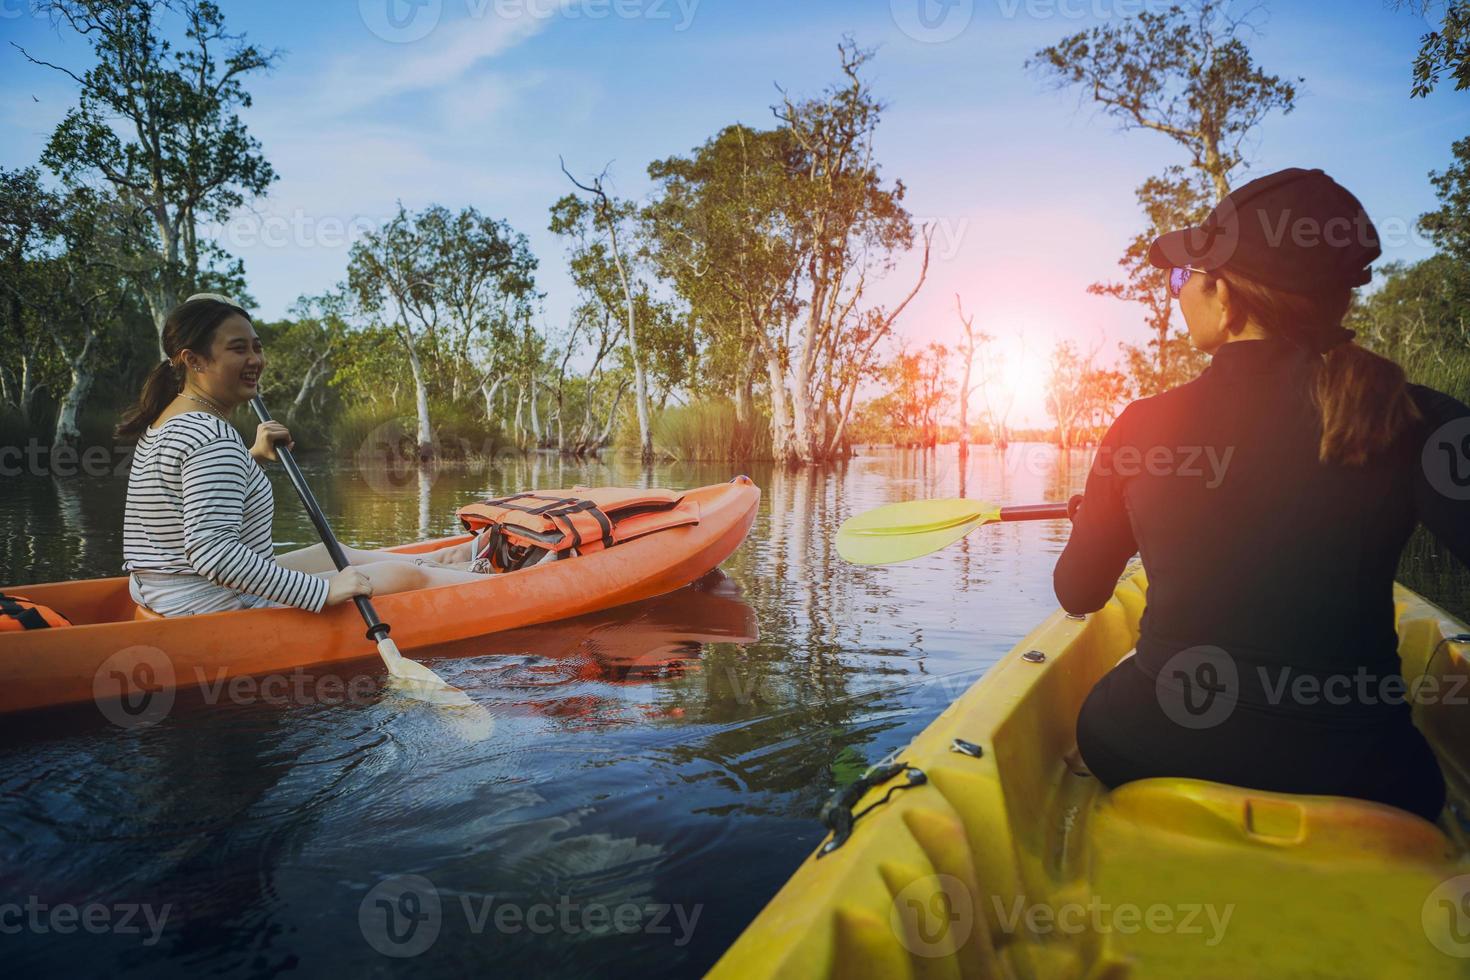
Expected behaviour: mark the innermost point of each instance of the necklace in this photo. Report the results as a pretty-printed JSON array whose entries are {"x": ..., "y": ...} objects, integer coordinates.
[{"x": 206, "y": 403}]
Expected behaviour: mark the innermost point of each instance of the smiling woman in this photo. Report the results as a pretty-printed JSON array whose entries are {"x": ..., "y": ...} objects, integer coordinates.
[{"x": 197, "y": 523}]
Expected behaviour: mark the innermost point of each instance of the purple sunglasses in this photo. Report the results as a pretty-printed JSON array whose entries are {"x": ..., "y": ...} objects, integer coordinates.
[{"x": 1179, "y": 275}]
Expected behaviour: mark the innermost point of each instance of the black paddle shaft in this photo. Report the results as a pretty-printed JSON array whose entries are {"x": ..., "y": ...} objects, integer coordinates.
[{"x": 377, "y": 629}]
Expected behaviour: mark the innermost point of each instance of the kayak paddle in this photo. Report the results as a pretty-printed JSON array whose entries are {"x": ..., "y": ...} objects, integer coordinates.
[
  {"x": 414, "y": 676},
  {"x": 898, "y": 532}
]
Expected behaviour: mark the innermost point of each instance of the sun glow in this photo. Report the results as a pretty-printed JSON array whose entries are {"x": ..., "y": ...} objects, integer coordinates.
[{"x": 1008, "y": 380}]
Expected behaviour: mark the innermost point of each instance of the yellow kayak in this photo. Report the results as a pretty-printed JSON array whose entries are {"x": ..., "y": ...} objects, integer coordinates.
[{"x": 998, "y": 858}]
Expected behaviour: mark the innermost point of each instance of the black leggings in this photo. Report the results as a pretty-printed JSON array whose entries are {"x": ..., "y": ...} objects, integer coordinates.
[{"x": 1124, "y": 733}]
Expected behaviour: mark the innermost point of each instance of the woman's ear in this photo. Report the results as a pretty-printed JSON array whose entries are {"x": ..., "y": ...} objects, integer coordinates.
[{"x": 1232, "y": 318}]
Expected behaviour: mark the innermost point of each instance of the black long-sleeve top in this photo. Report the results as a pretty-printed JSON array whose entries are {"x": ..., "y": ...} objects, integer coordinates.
[{"x": 1250, "y": 543}]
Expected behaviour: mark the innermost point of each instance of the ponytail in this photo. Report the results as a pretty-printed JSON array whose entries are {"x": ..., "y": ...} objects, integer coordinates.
[
  {"x": 1365, "y": 404},
  {"x": 161, "y": 387},
  {"x": 190, "y": 326},
  {"x": 1363, "y": 398}
]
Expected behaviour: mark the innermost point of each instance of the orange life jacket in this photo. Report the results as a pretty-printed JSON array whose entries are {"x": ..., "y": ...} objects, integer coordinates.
[
  {"x": 19, "y": 613},
  {"x": 520, "y": 530}
]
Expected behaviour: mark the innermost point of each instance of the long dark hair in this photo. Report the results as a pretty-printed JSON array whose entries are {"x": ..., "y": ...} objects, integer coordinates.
[
  {"x": 1364, "y": 398},
  {"x": 190, "y": 326}
]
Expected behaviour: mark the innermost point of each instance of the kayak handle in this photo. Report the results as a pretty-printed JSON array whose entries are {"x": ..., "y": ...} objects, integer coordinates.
[{"x": 377, "y": 630}]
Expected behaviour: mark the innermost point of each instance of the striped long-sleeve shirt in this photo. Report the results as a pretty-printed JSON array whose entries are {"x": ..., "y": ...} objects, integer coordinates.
[{"x": 198, "y": 504}]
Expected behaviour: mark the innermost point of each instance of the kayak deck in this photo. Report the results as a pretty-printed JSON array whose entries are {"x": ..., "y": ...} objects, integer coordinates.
[
  {"x": 39, "y": 668},
  {"x": 1012, "y": 864}
]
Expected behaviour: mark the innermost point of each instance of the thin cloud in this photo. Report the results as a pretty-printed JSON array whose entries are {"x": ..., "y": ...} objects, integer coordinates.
[{"x": 444, "y": 59}]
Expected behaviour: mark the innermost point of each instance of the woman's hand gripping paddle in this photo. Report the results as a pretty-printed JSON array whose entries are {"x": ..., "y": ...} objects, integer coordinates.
[{"x": 411, "y": 676}]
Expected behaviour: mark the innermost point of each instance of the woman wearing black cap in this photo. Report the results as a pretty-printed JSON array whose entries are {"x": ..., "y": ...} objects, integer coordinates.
[{"x": 1269, "y": 500}]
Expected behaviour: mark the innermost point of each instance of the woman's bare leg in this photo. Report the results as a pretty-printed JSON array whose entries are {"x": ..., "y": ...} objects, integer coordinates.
[
  {"x": 314, "y": 558},
  {"x": 390, "y": 577}
]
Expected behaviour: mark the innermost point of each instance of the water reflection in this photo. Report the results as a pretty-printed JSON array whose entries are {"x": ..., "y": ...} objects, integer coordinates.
[{"x": 673, "y": 751}]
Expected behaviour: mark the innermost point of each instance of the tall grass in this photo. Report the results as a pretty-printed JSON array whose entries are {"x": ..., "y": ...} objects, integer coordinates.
[
  {"x": 1425, "y": 566},
  {"x": 707, "y": 430},
  {"x": 460, "y": 432}
]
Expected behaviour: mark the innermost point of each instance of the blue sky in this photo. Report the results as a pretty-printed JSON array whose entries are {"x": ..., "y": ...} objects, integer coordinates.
[{"x": 470, "y": 102}]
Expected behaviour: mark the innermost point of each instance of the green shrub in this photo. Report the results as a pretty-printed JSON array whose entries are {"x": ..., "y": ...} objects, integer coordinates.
[{"x": 14, "y": 430}]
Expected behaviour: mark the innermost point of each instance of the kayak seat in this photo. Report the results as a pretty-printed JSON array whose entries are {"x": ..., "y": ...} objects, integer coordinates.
[
  {"x": 143, "y": 612},
  {"x": 1334, "y": 829}
]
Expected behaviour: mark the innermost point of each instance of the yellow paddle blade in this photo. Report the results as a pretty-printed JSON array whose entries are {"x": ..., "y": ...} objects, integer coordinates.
[
  {"x": 898, "y": 532},
  {"x": 471, "y": 721}
]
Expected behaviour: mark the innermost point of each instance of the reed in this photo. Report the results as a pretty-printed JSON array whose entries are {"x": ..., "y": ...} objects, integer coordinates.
[{"x": 707, "y": 430}]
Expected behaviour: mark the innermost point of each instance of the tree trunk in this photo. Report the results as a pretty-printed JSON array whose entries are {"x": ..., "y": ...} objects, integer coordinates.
[
  {"x": 612, "y": 416},
  {"x": 161, "y": 299},
  {"x": 421, "y": 404},
  {"x": 803, "y": 431},
  {"x": 313, "y": 374},
  {"x": 488, "y": 390},
  {"x": 781, "y": 435},
  {"x": 28, "y": 388},
  {"x": 965, "y": 405},
  {"x": 640, "y": 381},
  {"x": 520, "y": 397},
  {"x": 535, "y": 418},
  {"x": 744, "y": 402},
  {"x": 82, "y": 375}
]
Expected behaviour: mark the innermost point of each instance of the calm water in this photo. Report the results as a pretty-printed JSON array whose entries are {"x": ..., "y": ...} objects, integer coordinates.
[{"x": 652, "y": 779}]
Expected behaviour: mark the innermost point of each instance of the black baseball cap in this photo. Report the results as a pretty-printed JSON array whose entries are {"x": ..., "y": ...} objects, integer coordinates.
[{"x": 1295, "y": 230}]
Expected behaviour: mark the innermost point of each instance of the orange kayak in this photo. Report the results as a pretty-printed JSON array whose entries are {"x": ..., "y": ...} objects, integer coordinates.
[{"x": 112, "y": 638}]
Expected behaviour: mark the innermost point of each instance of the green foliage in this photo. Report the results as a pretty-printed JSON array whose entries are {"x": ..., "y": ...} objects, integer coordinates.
[
  {"x": 716, "y": 233},
  {"x": 446, "y": 287},
  {"x": 1418, "y": 314},
  {"x": 1446, "y": 49},
  {"x": 159, "y": 124},
  {"x": 1184, "y": 72},
  {"x": 1449, "y": 224},
  {"x": 772, "y": 238},
  {"x": 915, "y": 395},
  {"x": 708, "y": 429},
  {"x": 1177, "y": 199},
  {"x": 1081, "y": 397}
]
